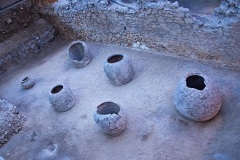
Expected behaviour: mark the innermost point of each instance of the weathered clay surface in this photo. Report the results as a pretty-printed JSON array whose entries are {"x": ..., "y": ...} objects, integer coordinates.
[
  {"x": 120, "y": 72},
  {"x": 198, "y": 105},
  {"x": 79, "y": 54},
  {"x": 112, "y": 124},
  {"x": 62, "y": 100},
  {"x": 27, "y": 83},
  {"x": 11, "y": 121}
]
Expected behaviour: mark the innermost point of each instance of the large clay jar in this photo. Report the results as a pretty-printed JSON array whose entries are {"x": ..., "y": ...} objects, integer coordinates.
[
  {"x": 27, "y": 83},
  {"x": 61, "y": 98},
  {"x": 111, "y": 118},
  {"x": 119, "y": 69},
  {"x": 197, "y": 97},
  {"x": 79, "y": 54}
]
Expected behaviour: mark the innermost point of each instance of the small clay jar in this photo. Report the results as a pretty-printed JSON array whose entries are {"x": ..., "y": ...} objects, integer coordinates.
[
  {"x": 61, "y": 98},
  {"x": 79, "y": 54},
  {"x": 197, "y": 97},
  {"x": 111, "y": 118},
  {"x": 27, "y": 83},
  {"x": 119, "y": 69}
]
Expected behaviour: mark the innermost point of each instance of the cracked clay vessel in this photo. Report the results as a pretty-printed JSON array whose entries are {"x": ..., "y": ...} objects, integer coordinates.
[
  {"x": 61, "y": 98},
  {"x": 119, "y": 69},
  {"x": 79, "y": 54},
  {"x": 197, "y": 97},
  {"x": 111, "y": 118},
  {"x": 27, "y": 83}
]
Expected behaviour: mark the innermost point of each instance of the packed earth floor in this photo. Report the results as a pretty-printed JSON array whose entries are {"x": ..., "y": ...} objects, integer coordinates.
[{"x": 155, "y": 129}]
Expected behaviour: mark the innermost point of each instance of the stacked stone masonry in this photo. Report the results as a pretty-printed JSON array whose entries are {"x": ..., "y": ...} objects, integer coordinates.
[
  {"x": 11, "y": 121},
  {"x": 158, "y": 25},
  {"x": 16, "y": 18},
  {"x": 32, "y": 40}
]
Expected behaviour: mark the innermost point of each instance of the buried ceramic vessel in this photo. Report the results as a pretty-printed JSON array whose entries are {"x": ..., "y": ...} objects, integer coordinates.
[
  {"x": 197, "y": 97},
  {"x": 119, "y": 69},
  {"x": 61, "y": 98},
  {"x": 27, "y": 83},
  {"x": 111, "y": 118},
  {"x": 79, "y": 54}
]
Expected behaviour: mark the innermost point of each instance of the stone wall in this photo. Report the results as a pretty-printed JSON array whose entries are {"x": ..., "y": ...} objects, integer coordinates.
[
  {"x": 25, "y": 44},
  {"x": 158, "y": 25},
  {"x": 229, "y": 8},
  {"x": 22, "y": 34},
  {"x": 16, "y": 18}
]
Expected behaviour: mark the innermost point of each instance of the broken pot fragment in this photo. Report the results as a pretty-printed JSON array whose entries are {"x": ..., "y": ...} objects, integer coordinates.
[
  {"x": 111, "y": 118},
  {"x": 79, "y": 54}
]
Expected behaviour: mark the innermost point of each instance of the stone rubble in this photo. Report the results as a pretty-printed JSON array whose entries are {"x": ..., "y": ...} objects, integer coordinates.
[{"x": 11, "y": 121}]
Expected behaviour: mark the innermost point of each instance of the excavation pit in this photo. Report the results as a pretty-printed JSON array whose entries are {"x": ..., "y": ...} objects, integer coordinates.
[{"x": 156, "y": 29}]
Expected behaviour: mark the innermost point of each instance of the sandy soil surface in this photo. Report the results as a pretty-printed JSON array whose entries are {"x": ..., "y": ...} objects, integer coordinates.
[{"x": 155, "y": 129}]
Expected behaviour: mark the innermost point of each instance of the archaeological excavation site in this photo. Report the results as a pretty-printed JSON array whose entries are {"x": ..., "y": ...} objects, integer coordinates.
[{"x": 119, "y": 80}]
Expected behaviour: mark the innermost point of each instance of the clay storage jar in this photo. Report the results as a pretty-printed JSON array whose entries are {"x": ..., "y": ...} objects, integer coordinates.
[
  {"x": 119, "y": 69},
  {"x": 79, "y": 54},
  {"x": 61, "y": 98},
  {"x": 111, "y": 118},
  {"x": 197, "y": 97},
  {"x": 27, "y": 83}
]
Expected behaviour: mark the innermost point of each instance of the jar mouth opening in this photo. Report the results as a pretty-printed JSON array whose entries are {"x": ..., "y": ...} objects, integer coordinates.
[
  {"x": 57, "y": 89},
  {"x": 196, "y": 82},
  {"x": 77, "y": 51},
  {"x": 25, "y": 79},
  {"x": 108, "y": 108},
  {"x": 115, "y": 58}
]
